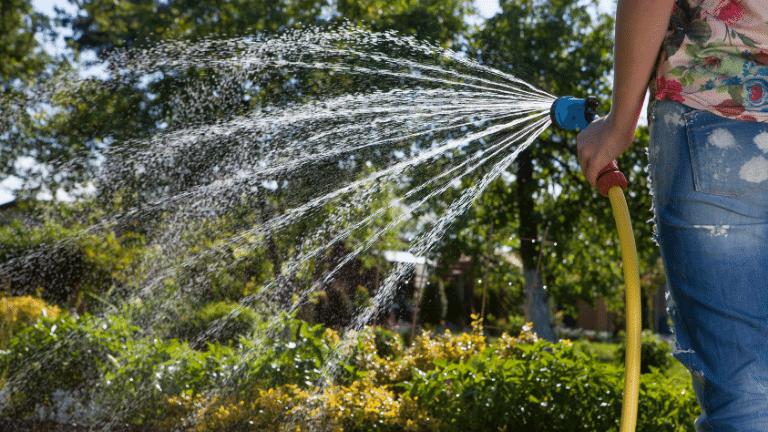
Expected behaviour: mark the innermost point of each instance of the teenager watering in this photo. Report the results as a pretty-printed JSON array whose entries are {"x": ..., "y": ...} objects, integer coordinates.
[{"x": 708, "y": 73}]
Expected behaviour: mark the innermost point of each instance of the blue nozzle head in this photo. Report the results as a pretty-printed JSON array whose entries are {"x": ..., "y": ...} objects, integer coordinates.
[{"x": 571, "y": 113}]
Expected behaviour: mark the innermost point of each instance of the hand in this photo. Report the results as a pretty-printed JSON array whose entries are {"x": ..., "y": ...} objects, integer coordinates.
[{"x": 600, "y": 143}]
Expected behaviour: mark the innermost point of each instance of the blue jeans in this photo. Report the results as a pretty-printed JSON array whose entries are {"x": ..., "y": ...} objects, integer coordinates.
[{"x": 709, "y": 179}]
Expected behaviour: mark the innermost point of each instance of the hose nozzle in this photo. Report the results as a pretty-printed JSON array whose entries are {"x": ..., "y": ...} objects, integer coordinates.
[{"x": 571, "y": 113}]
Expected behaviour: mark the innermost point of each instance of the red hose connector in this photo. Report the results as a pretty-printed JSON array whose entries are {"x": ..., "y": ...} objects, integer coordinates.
[{"x": 609, "y": 177}]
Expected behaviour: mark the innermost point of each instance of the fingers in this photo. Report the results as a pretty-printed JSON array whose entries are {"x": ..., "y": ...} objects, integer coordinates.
[
  {"x": 595, "y": 149},
  {"x": 585, "y": 150},
  {"x": 598, "y": 145},
  {"x": 583, "y": 163}
]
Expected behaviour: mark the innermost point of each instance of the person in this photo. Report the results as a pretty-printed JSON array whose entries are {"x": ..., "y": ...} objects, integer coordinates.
[{"x": 705, "y": 64}]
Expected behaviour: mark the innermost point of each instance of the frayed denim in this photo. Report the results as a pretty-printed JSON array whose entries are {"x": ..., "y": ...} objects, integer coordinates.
[{"x": 709, "y": 179}]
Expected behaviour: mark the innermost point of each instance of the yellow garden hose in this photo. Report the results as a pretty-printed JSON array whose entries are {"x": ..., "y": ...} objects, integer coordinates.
[
  {"x": 571, "y": 113},
  {"x": 632, "y": 308}
]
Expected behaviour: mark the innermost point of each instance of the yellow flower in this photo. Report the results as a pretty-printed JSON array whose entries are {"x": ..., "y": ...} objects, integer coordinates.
[{"x": 17, "y": 313}]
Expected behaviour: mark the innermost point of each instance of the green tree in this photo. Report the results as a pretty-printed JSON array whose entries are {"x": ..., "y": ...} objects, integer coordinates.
[
  {"x": 440, "y": 21},
  {"x": 24, "y": 67},
  {"x": 124, "y": 114},
  {"x": 469, "y": 238},
  {"x": 557, "y": 46},
  {"x": 99, "y": 116},
  {"x": 20, "y": 51}
]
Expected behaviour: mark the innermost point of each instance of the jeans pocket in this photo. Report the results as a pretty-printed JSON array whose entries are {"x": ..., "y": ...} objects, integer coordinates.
[{"x": 728, "y": 157}]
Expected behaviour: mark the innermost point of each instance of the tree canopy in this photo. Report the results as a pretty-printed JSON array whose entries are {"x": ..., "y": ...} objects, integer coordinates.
[{"x": 560, "y": 46}]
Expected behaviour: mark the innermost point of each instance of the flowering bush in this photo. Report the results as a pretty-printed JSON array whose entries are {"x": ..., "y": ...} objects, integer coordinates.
[
  {"x": 66, "y": 265},
  {"x": 16, "y": 313},
  {"x": 65, "y": 354},
  {"x": 293, "y": 377},
  {"x": 426, "y": 350},
  {"x": 452, "y": 383}
]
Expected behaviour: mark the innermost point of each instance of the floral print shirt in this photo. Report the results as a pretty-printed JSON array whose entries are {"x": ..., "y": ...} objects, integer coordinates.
[{"x": 715, "y": 57}]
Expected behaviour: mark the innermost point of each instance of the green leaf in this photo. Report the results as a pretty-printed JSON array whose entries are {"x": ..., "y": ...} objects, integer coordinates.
[
  {"x": 747, "y": 41},
  {"x": 678, "y": 71}
]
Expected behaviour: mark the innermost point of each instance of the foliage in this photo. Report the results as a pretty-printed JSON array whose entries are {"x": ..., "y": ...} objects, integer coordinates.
[
  {"x": 598, "y": 351},
  {"x": 359, "y": 406},
  {"x": 362, "y": 298},
  {"x": 17, "y": 313},
  {"x": 103, "y": 362},
  {"x": 531, "y": 389},
  {"x": 150, "y": 370},
  {"x": 448, "y": 383},
  {"x": 654, "y": 353},
  {"x": 515, "y": 323},
  {"x": 532, "y": 40},
  {"x": 432, "y": 20},
  {"x": 434, "y": 305},
  {"x": 65, "y": 353},
  {"x": 268, "y": 380},
  {"x": 68, "y": 265},
  {"x": 289, "y": 375},
  {"x": 219, "y": 322},
  {"x": 284, "y": 351},
  {"x": 82, "y": 124},
  {"x": 564, "y": 48},
  {"x": 18, "y": 46},
  {"x": 542, "y": 383},
  {"x": 24, "y": 69},
  {"x": 332, "y": 307},
  {"x": 667, "y": 403},
  {"x": 388, "y": 343}
]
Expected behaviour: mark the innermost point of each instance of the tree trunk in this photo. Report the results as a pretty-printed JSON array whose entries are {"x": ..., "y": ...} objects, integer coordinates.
[
  {"x": 537, "y": 305},
  {"x": 283, "y": 292},
  {"x": 536, "y": 297}
]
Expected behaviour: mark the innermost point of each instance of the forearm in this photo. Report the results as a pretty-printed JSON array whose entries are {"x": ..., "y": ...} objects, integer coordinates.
[{"x": 640, "y": 29}]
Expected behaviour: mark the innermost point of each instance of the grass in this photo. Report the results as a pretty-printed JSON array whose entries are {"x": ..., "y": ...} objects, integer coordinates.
[
  {"x": 599, "y": 351},
  {"x": 606, "y": 352}
]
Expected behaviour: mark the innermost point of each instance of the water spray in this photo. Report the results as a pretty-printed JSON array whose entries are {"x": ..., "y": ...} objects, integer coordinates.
[{"x": 571, "y": 113}]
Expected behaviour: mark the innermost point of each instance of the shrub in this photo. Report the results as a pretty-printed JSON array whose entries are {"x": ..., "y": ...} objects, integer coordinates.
[
  {"x": 546, "y": 387},
  {"x": 362, "y": 298},
  {"x": 534, "y": 387},
  {"x": 261, "y": 410},
  {"x": 63, "y": 354},
  {"x": 388, "y": 343},
  {"x": 426, "y": 350},
  {"x": 334, "y": 309},
  {"x": 274, "y": 381},
  {"x": 151, "y": 371},
  {"x": 444, "y": 382},
  {"x": 433, "y": 305},
  {"x": 666, "y": 403},
  {"x": 654, "y": 353},
  {"x": 17, "y": 313},
  {"x": 360, "y": 406},
  {"x": 99, "y": 364},
  {"x": 284, "y": 352},
  {"x": 65, "y": 264},
  {"x": 515, "y": 323},
  {"x": 220, "y": 322}
]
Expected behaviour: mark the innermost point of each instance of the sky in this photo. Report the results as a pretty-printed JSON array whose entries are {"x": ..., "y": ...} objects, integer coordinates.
[{"x": 486, "y": 9}]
